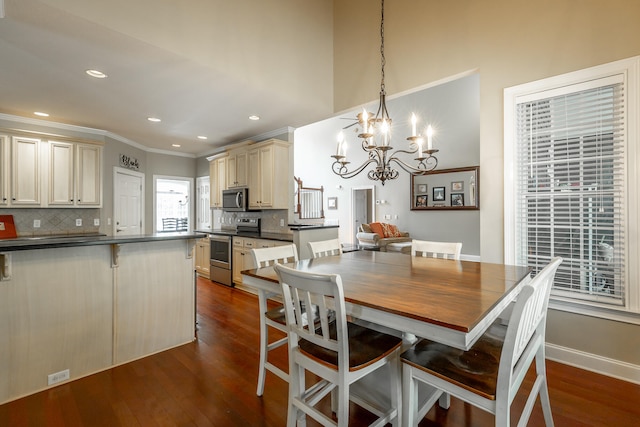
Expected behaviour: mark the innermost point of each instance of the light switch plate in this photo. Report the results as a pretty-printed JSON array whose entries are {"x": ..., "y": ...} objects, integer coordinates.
[
  {"x": 36, "y": 223},
  {"x": 96, "y": 222}
]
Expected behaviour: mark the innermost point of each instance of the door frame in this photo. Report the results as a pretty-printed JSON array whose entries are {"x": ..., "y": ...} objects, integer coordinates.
[
  {"x": 118, "y": 170},
  {"x": 352, "y": 212}
]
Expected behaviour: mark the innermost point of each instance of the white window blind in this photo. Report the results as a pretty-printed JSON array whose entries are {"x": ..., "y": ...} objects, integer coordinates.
[{"x": 570, "y": 188}]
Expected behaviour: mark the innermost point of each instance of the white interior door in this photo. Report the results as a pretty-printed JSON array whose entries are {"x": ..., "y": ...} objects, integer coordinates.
[
  {"x": 128, "y": 199},
  {"x": 362, "y": 208},
  {"x": 203, "y": 208}
]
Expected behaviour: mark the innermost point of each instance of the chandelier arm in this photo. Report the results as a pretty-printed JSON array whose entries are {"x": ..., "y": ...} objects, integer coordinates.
[
  {"x": 427, "y": 165},
  {"x": 341, "y": 170}
]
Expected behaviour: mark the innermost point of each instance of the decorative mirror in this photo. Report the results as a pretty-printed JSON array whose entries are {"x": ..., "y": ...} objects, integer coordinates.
[
  {"x": 310, "y": 199},
  {"x": 446, "y": 189}
]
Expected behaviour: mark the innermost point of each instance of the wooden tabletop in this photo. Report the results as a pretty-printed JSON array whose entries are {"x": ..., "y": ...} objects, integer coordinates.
[{"x": 455, "y": 295}]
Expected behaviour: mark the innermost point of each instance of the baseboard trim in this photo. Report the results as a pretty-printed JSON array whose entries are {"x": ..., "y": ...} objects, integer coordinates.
[{"x": 594, "y": 363}]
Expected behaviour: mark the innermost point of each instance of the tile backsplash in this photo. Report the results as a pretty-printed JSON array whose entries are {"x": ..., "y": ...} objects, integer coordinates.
[
  {"x": 270, "y": 219},
  {"x": 53, "y": 221}
]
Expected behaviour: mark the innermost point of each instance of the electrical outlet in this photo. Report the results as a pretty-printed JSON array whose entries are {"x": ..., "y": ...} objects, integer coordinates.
[
  {"x": 96, "y": 222},
  {"x": 78, "y": 222},
  {"x": 36, "y": 223},
  {"x": 58, "y": 377},
  {"x": 387, "y": 216},
  {"x": 281, "y": 222},
  {"x": 108, "y": 221}
]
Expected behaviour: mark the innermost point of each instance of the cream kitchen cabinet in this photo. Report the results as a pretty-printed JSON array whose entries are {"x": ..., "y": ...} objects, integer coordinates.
[
  {"x": 75, "y": 175},
  {"x": 270, "y": 175},
  {"x": 203, "y": 251},
  {"x": 218, "y": 177},
  {"x": 24, "y": 176},
  {"x": 242, "y": 258},
  {"x": 4, "y": 170},
  {"x": 237, "y": 168}
]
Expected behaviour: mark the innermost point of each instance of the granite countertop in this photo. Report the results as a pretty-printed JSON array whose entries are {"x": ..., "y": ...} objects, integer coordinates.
[
  {"x": 300, "y": 227},
  {"x": 61, "y": 241}
]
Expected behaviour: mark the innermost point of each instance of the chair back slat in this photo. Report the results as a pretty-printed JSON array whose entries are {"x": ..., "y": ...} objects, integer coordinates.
[
  {"x": 264, "y": 257},
  {"x": 528, "y": 320},
  {"x": 325, "y": 248},
  {"x": 312, "y": 303},
  {"x": 446, "y": 250}
]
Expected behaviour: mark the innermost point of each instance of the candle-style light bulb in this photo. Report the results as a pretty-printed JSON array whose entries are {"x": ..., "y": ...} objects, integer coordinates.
[
  {"x": 365, "y": 121},
  {"x": 414, "y": 121},
  {"x": 340, "y": 140},
  {"x": 385, "y": 132},
  {"x": 429, "y": 137}
]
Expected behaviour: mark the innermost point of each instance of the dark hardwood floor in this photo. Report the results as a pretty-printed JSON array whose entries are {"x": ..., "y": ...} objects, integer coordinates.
[{"x": 212, "y": 382}]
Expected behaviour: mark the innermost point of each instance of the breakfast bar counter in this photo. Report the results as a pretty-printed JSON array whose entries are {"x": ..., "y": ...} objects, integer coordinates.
[{"x": 73, "y": 306}]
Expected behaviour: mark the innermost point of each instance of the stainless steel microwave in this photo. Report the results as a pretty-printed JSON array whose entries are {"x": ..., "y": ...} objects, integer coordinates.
[{"x": 235, "y": 200}]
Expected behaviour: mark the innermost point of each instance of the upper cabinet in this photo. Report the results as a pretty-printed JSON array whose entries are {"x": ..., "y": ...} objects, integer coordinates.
[
  {"x": 237, "y": 168},
  {"x": 270, "y": 176},
  {"x": 25, "y": 172},
  {"x": 37, "y": 173},
  {"x": 75, "y": 172},
  {"x": 218, "y": 177}
]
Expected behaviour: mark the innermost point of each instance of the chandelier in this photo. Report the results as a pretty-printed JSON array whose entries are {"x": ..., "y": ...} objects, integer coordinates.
[{"x": 376, "y": 140}]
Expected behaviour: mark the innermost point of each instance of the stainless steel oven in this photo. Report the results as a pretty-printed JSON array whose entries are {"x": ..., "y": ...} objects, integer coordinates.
[{"x": 220, "y": 263}]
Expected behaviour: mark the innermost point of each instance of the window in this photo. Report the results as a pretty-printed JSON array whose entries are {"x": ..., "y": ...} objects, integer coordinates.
[
  {"x": 568, "y": 176},
  {"x": 172, "y": 204}
]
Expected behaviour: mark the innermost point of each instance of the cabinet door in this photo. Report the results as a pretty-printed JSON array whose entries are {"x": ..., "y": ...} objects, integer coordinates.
[
  {"x": 88, "y": 175},
  {"x": 214, "y": 194},
  {"x": 238, "y": 263},
  {"x": 266, "y": 177},
  {"x": 237, "y": 169},
  {"x": 25, "y": 172},
  {"x": 4, "y": 170},
  {"x": 61, "y": 192},
  {"x": 222, "y": 177},
  {"x": 254, "y": 179}
]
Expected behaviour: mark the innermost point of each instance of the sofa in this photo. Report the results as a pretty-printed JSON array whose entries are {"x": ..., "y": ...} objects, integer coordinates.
[{"x": 376, "y": 236}]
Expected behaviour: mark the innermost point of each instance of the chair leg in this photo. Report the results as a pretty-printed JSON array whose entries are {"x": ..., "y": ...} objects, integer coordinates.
[
  {"x": 264, "y": 342},
  {"x": 396, "y": 389},
  {"x": 545, "y": 402},
  {"x": 343, "y": 405},
  {"x": 409, "y": 397}
]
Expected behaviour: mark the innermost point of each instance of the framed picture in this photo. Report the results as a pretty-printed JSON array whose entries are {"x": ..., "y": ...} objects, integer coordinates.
[
  {"x": 332, "y": 203},
  {"x": 422, "y": 188},
  {"x": 457, "y": 199},
  {"x": 438, "y": 194},
  {"x": 421, "y": 201},
  {"x": 457, "y": 185}
]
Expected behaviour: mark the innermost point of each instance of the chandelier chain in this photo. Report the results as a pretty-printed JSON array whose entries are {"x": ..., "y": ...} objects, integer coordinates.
[{"x": 383, "y": 60}]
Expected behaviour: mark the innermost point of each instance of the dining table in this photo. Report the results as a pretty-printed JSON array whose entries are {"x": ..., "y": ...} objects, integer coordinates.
[{"x": 449, "y": 301}]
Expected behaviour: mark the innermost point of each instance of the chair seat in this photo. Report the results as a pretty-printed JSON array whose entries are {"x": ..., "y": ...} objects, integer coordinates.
[
  {"x": 475, "y": 370},
  {"x": 277, "y": 314},
  {"x": 365, "y": 347}
]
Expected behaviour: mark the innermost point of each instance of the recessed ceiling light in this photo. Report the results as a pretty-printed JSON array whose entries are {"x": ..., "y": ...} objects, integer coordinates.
[
  {"x": 202, "y": 137},
  {"x": 175, "y": 145},
  {"x": 254, "y": 117},
  {"x": 96, "y": 73},
  {"x": 154, "y": 119},
  {"x": 41, "y": 114}
]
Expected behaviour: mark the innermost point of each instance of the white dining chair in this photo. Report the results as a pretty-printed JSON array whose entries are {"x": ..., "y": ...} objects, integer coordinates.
[
  {"x": 275, "y": 317},
  {"x": 338, "y": 352},
  {"x": 446, "y": 250},
  {"x": 325, "y": 248},
  {"x": 489, "y": 375}
]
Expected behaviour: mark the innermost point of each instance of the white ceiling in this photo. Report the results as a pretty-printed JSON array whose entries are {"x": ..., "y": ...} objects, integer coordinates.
[{"x": 202, "y": 66}]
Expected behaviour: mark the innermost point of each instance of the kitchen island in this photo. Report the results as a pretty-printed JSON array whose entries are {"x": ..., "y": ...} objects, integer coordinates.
[{"x": 87, "y": 303}]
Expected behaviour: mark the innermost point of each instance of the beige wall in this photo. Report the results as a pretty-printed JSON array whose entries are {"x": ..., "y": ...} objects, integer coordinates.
[{"x": 509, "y": 42}]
